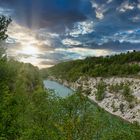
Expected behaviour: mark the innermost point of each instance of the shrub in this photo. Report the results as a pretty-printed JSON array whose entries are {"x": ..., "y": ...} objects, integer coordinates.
[
  {"x": 101, "y": 87},
  {"x": 127, "y": 93},
  {"x": 116, "y": 88},
  {"x": 87, "y": 92},
  {"x": 122, "y": 107}
]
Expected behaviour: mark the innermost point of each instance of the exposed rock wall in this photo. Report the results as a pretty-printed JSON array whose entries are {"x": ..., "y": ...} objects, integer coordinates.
[{"x": 114, "y": 103}]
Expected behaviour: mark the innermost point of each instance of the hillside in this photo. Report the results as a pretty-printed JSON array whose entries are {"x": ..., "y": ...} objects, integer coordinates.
[
  {"x": 116, "y": 65},
  {"x": 28, "y": 112},
  {"x": 112, "y": 82}
]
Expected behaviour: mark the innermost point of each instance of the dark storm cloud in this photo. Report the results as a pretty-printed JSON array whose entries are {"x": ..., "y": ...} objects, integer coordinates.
[{"x": 44, "y": 13}]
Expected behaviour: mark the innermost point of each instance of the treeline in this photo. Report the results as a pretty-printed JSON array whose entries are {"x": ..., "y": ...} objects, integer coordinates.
[{"x": 124, "y": 64}]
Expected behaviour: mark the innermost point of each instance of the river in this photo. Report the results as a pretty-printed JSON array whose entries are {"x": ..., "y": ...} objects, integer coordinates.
[{"x": 58, "y": 88}]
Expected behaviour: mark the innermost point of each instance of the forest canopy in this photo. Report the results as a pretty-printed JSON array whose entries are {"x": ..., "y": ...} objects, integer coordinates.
[{"x": 124, "y": 64}]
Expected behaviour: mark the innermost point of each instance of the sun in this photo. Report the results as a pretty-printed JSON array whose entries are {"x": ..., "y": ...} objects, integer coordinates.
[{"x": 29, "y": 50}]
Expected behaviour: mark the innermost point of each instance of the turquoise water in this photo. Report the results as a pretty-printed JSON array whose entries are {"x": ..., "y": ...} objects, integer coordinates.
[{"x": 59, "y": 89}]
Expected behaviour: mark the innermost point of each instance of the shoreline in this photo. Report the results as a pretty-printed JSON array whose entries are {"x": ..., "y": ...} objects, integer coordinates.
[{"x": 129, "y": 115}]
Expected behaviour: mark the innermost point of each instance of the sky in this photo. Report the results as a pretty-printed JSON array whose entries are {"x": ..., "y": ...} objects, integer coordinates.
[{"x": 46, "y": 32}]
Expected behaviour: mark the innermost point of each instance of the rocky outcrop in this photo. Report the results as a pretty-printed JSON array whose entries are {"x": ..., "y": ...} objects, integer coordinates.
[{"x": 113, "y": 102}]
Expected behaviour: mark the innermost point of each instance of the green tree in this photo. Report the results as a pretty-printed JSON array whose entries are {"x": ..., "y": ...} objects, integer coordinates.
[
  {"x": 101, "y": 87},
  {"x": 127, "y": 93},
  {"x": 4, "y": 22}
]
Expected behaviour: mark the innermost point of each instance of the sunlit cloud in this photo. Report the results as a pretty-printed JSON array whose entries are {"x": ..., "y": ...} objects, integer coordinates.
[
  {"x": 125, "y": 6},
  {"x": 25, "y": 46},
  {"x": 99, "y": 14},
  {"x": 135, "y": 18},
  {"x": 29, "y": 50},
  {"x": 71, "y": 42},
  {"x": 109, "y": 1},
  {"x": 82, "y": 28},
  {"x": 80, "y": 53},
  {"x": 131, "y": 36},
  {"x": 138, "y": 6},
  {"x": 100, "y": 9}
]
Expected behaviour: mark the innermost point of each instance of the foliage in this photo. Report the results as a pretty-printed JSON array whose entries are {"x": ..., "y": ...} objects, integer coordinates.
[
  {"x": 115, "y": 65},
  {"x": 116, "y": 87},
  {"x": 127, "y": 93},
  {"x": 87, "y": 92},
  {"x": 4, "y": 22},
  {"x": 101, "y": 87},
  {"x": 125, "y": 90}
]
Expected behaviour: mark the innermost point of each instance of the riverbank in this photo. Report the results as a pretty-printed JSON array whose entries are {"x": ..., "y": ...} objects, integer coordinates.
[{"x": 114, "y": 103}]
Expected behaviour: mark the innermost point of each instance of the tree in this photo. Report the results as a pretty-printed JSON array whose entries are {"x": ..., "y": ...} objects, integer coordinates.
[
  {"x": 100, "y": 91},
  {"x": 4, "y": 22}
]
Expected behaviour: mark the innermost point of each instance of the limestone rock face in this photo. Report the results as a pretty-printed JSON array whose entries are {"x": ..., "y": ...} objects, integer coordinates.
[{"x": 113, "y": 102}]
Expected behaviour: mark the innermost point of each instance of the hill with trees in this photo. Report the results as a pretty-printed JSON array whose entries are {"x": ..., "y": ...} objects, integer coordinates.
[
  {"x": 124, "y": 64},
  {"x": 112, "y": 81}
]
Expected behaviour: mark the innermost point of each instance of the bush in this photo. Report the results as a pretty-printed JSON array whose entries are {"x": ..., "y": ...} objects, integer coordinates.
[
  {"x": 101, "y": 87},
  {"x": 127, "y": 93},
  {"x": 116, "y": 88},
  {"x": 87, "y": 92},
  {"x": 122, "y": 107}
]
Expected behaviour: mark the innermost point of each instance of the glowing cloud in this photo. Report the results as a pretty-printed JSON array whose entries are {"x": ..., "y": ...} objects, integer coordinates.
[
  {"x": 84, "y": 52},
  {"x": 71, "y": 42},
  {"x": 25, "y": 46},
  {"x": 82, "y": 28},
  {"x": 100, "y": 9}
]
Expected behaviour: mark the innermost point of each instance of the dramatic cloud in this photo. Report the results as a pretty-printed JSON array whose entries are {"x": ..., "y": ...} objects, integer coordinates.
[
  {"x": 81, "y": 28},
  {"x": 46, "y": 32},
  {"x": 26, "y": 46},
  {"x": 81, "y": 53},
  {"x": 71, "y": 42},
  {"x": 44, "y": 13},
  {"x": 99, "y": 9},
  {"x": 126, "y": 6}
]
